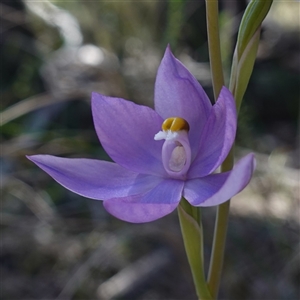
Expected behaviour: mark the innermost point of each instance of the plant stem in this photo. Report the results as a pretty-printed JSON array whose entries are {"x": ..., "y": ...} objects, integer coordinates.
[
  {"x": 212, "y": 14},
  {"x": 191, "y": 228},
  {"x": 221, "y": 224},
  {"x": 217, "y": 256}
]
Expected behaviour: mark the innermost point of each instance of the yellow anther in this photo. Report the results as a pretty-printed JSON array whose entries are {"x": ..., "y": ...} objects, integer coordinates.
[{"x": 175, "y": 124}]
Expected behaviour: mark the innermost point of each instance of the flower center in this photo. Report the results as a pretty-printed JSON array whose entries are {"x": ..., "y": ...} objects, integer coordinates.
[
  {"x": 176, "y": 151},
  {"x": 178, "y": 159}
]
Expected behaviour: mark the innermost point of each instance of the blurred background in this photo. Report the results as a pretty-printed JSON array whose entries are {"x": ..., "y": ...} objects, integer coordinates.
[{"x": 57, "y": 245}]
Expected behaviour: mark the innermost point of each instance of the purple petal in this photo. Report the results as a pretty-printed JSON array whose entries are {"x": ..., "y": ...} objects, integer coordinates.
[
  {"x": 126, "y": 132},
  {"x": 178, "y": 94},
  {"x": 218, "y": 188},
  {"x": 217, "y": 137},
  {"x": 94, "y": 179},
  {"x": 147, "y": 207}
]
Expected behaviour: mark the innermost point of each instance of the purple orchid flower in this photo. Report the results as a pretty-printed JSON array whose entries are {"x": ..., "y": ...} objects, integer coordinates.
[{"x": 161, "y": 155}]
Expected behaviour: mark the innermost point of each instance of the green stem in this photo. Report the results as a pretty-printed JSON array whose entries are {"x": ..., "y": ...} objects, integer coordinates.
[
  {"x": 191, "y": 228},
  {"x": 243, "y": 62},
  {"x": 221, "y": 224},
  {"x": 217, "y": 256},
  {"x": 212, "y": 20}
]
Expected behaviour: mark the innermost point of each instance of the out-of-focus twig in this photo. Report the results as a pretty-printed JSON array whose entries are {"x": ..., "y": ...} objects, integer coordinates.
[
  {"x": 34, "y": 201},
  {"x": 27, "y": 105},
  {"x": 134, "y": 275}
]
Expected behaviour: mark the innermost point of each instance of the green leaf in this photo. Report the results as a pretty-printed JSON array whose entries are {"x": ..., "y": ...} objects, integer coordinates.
[
  {"x": 255, "y": 13},
  {"x": 246, "y": 47},
  {"x": 244, "y": 68},
  {"x": 189, "y": 217}
]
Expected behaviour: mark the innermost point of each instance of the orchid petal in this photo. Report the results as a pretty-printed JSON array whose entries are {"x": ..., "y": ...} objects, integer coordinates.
[
  {"x": 218, "y": 188},
  {"x": 94, "y": 179},
  {"x": 126, "y": 132},
  {"x": 150, "y": 206},
  {"x": 217, "y": 136},
  {"x": 178, "y": 94}
]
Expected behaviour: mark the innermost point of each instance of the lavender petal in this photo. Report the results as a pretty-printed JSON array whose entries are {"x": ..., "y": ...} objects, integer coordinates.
[
  {"x": 178, "y": 94},
  {"x": 126, "y": 132},
  {"x": 217, "y": 137},
  {"x": 94, "y": 179},
  {"x": 147, "y": 207},
  {"x": 218, "y": 188}
]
